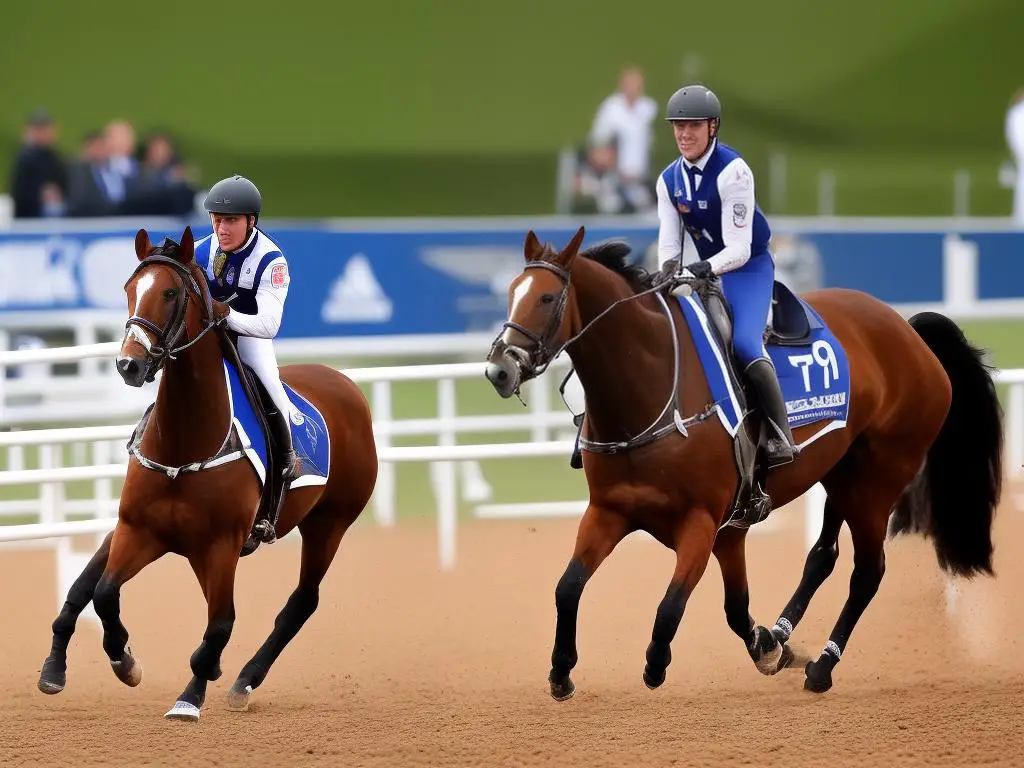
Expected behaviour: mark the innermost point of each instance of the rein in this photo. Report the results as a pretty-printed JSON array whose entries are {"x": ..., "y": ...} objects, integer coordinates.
[
  {"x": 537, "y": 361},
  {"x": 163, "y": 350}
]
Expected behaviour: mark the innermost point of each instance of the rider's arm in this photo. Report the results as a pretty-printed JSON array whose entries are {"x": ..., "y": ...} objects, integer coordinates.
[
  {"x": 670, "y": 244},
  {"x": 736, "y": 191},
  {"x": 270, "y": 296}
]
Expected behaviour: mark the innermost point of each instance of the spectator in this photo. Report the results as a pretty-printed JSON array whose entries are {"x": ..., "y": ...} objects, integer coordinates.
[
  {"x": 624, "y": 120},
  {"x": 162, "y": 186},
  {"x": 90, "y": 179},
  {"x": 39, "y": 180},
  {"x": 122, "y": 165},
  {"x": 1015, "y": 138}
]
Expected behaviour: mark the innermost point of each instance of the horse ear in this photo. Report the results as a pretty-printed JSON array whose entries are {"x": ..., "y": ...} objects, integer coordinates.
[
  {"x": 570, "y": 251},
  {"x": 532, "y": 249},
  {"x": 142, "y": 244},
  {"x": 187, "y": 248}
]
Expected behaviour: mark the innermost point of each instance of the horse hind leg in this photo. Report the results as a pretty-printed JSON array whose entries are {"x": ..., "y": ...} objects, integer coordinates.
[
  {"x": 821, "y": 561},
  {"x": 53, "y": 676},
  {"x": 322, "y": 533}
]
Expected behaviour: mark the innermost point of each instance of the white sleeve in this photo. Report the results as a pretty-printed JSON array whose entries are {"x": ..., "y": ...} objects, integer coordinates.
[
  {"x": 736, "y": 191},
  {"x": 670, "y": 244},
  {"x": 603, "y": 130},
  {"x": 270, "y": 296},
  {"x": 1015, "y": 132}
]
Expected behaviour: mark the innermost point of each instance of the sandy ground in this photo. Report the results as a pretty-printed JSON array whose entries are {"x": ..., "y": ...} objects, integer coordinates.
[{"x": 406, "y": 665}]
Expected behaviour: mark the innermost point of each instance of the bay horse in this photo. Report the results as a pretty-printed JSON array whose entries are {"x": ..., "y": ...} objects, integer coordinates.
[
  {"x": 922, "y": 436},
  {"x": 191, "y": 491}
]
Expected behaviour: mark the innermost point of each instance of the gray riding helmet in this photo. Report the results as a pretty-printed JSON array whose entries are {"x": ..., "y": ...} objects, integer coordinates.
[
  {"x": 693, "y": 102},
  {"x": 235, "y": 194}
]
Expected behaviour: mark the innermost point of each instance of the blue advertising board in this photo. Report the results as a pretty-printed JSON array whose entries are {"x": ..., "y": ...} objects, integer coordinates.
[{"x": 364, "y": 282}]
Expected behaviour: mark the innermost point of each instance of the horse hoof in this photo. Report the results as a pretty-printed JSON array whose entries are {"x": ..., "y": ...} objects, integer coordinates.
[
  {"x": 651, "y": 680},
  {"x": 183, "y": 712},
  {"x": 819, "y": 678},
  {"x": 562, "y": 690},
  {"x": 52, "y": 678},
  {"x": 127, "y": 670},
  {"x": 238, "y": 697}
]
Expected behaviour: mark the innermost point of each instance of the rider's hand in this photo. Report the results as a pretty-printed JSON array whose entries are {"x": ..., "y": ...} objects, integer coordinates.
[
  {"x": 220, "y": 312},
  {"x": 669, "y": 271},
  {"x": 701, "y": 270}
]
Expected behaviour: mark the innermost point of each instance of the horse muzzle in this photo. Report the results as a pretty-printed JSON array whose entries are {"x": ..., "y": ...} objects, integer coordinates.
[
  {"x": 504, "y": 373},
  {"x": 133, "y": 370}
]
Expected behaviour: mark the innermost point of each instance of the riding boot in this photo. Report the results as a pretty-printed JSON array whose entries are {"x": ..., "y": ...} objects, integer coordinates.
[
  {"x": 283, "y": 472},
  {"x": 576, "y": 461},
  {"x": 780, "y": 447}
]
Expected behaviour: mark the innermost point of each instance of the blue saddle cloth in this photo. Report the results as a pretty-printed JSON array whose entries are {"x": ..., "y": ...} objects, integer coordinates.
[
  {"x": 310, "y": 438},
  {"x": 811, "y": 364}
]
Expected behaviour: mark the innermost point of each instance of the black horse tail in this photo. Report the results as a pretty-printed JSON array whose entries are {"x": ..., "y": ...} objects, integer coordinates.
[{"x": 954, "y": 498}]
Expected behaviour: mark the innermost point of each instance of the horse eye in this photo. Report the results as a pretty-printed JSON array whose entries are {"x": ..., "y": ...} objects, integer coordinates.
[
  {"x": 171, "y": 293},
  {"x": 547, "y": 298}
]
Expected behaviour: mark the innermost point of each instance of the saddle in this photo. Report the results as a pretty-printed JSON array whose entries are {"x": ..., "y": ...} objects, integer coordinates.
[{"x": 789, "y": 325}]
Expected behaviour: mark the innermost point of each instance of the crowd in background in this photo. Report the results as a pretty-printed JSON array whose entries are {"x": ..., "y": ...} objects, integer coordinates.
[{"x": 113, "y": 174}]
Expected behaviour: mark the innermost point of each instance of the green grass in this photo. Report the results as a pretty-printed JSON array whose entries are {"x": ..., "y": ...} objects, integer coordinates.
[{"x": 405, "y": 107}]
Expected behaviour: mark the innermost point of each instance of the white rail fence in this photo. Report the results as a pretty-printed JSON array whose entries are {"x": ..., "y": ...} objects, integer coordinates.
[{"x": 448, "y": 461}]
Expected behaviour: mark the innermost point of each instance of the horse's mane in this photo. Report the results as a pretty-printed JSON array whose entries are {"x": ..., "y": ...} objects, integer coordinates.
[{"x": 614, "y": 254}]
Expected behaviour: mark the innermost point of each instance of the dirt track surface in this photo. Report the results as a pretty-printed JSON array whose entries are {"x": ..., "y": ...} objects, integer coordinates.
[{"x": 404, "y": 665}]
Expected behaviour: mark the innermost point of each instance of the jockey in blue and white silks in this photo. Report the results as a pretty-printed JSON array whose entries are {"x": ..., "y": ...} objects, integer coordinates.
[
  {"x": 248, "y": 278},
  {"x": 709, "y": 193}
]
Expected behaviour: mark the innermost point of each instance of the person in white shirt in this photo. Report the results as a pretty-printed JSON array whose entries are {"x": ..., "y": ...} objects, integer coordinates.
[
  {"x": 624, "y": 120},
  {"x": 1015, "y": 139}
]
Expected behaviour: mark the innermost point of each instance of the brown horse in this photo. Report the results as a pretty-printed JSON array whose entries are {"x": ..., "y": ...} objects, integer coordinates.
[
  {"x": 204, "y": 513},
  {"x": 923, "y": 436}
]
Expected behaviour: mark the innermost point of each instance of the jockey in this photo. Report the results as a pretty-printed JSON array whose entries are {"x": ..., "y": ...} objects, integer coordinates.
[
  {"x": 709, "y": 192},
  {"x": 248, "y": 278}
]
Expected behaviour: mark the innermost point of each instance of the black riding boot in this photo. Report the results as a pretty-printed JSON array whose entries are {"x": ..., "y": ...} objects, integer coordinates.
[
  {"x": 576, "y": 460},
  {"x": 283, "y": 471},
  {"x": 780, "y": 448}
]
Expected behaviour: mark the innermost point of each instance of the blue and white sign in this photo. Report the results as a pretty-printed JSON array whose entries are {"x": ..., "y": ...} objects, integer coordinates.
[{"x": 391, "y": 279}]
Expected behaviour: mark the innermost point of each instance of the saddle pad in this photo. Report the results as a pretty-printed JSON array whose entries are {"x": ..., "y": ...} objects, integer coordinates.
[
  {"x": 815, "y": 377},
  {"x": 310, "y": 439}
]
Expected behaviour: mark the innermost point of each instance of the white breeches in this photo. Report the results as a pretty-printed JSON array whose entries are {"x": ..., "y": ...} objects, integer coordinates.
[{"x": 259, "y": 355}]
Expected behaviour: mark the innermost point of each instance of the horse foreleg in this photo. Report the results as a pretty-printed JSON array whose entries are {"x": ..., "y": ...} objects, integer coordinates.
[
  {"x": 821, "y": 560},
  {"x": 693, "y": 541},
  {"x": 767, "y": 652},
  {"x": 321, "y": 537},
  {"x": 598, "y": 533},
  {"x": 215, "y": 570},
  {"x": 53, "y": 676},
  {"x": 131, "y": 550}
]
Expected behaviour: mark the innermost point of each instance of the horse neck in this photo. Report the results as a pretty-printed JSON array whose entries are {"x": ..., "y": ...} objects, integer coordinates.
[
  {"x": 624, "y": 362},
  {"x": 192, "y": 412}
]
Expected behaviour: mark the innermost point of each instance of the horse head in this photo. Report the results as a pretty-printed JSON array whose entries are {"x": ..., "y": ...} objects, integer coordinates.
[
  {"x": 162, "y": 321},
  {"x": 538, "y": 324}
]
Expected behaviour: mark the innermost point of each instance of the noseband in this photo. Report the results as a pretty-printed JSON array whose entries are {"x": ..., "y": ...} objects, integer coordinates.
[
  {"x": 167, "y": 337},
  {"x": 539, "y": 358}
]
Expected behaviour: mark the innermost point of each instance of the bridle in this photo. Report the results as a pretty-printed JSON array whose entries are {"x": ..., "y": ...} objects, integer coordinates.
[
  {"x": 533, "y": 363},
  {"x": 166, "y": 346}
]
